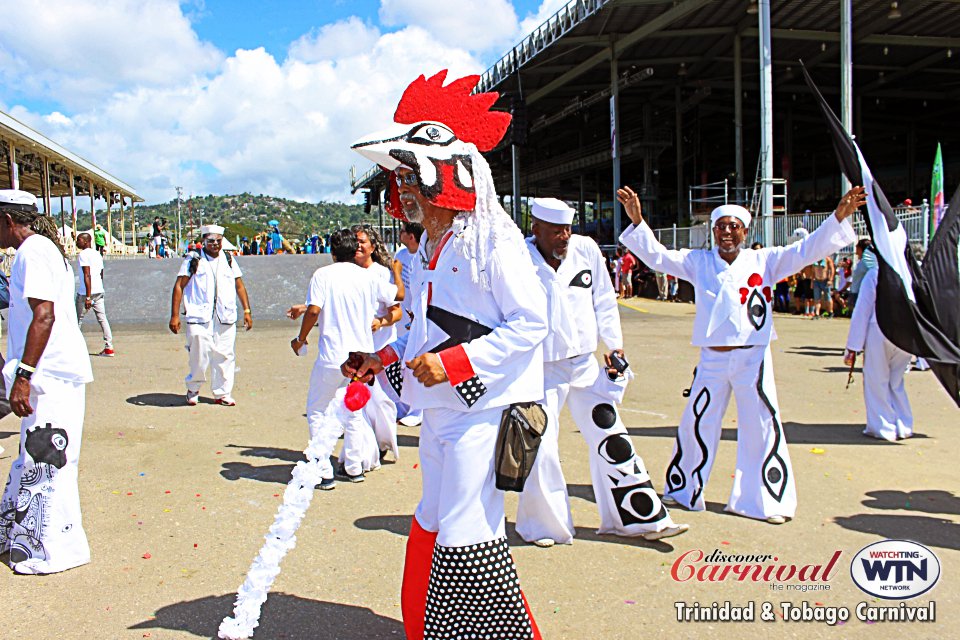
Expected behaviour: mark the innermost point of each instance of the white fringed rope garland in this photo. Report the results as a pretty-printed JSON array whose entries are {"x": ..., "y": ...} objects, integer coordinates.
[{"x": 280, "y": 539}]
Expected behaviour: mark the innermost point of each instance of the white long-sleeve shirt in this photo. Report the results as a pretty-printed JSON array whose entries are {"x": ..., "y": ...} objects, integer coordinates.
[
  {"x": 488, "y": 341},
  {"x": 864, "y": 312},
  {"x": 734, "y": 300},
  {"x": 581, "y": 302}
]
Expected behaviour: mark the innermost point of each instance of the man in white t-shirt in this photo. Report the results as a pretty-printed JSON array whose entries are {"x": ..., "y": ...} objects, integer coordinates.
[
  {"x": 90, "y": 292},
  {"x": 209, "y": 286},
  {"x": 46, "y": 372},
  {"x": 342, "y": 298}
]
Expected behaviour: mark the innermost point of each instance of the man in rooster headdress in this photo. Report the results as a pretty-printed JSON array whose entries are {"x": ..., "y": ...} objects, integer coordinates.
[{"x": 473, "y": 350}]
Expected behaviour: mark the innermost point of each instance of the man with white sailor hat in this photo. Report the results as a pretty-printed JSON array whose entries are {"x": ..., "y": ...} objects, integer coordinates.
[
  {"x": 582, "y": 307},
  {"x": 733, "y": 328},
  {"x": 209, "y": 285}
]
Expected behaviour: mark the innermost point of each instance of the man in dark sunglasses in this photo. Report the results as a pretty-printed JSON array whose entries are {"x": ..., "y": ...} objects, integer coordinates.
[{"x": 733, "y": 328}]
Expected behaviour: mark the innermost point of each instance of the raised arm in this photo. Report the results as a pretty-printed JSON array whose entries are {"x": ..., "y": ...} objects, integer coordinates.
[{"x": 640, "y": 239}]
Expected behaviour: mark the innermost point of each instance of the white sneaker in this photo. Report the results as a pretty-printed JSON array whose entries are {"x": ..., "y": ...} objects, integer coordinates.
[
  {"x": 776, "y": 520},
  {"x": 545, "y": 543},
  {"x": 669, "y": 501},
  {"x": 192, "y": 398},
  {"x": 669, "y": 532}
]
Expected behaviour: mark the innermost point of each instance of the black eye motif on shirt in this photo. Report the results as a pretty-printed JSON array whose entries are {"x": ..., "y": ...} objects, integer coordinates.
[
  {"x": 756, "y": 303},
  {"x": 584, "y": 279}
]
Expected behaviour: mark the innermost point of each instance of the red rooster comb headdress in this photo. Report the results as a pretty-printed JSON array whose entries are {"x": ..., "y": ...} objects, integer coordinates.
[{"x": 435, "y": 128}]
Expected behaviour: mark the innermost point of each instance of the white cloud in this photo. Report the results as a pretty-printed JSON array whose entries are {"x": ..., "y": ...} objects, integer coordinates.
[
  {"x": 158, "y": 108},
  {"x": 79, "y": 52},
  {"x": 544, "y": 12},
  {"x": 258, "y": 125},
  {"x": 477, "y": 25}
]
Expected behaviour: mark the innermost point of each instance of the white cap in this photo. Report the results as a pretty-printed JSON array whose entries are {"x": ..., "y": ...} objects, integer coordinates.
[
  {"x": 207, "y": 229},
  {"x": 15, "y": 196},
  {"x": 552, "y": 210},
  {"x": 732, "y": 210},
  {"x": 800, "y": 232}
]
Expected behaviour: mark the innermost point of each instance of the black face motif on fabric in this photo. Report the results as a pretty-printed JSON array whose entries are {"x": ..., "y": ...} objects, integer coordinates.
[
  {"x": 47, "y": 445},
  {"x": 638, "y": 503},
  {"x": 756, "y": 303},
  {"x": 774, "y": 469},
  {"x": 584, "y": 279},
  {"x": 616, "y": 449},
  {"x": 24, "y": 515},
  {"x": 604, "y": 416}
]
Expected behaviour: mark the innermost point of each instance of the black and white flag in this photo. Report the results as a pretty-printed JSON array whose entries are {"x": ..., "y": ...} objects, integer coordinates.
[{"x": 918, "y": 308}]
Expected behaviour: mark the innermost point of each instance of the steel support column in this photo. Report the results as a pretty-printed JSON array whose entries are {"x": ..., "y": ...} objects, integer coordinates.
[
  {"x": 766, "y": 120},
  {"x": 846, "y": 72},
  {"x": 615, "y": 138},
  {"x": 515, "y": 200},
  {"x": 738, "y": 116}
]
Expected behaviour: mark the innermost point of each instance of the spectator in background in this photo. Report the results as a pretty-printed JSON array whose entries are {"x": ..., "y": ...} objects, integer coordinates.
[
  {"x": 100, "y": 239},
  {"x": 615, "y": 261},
  {"x": 781, "y": 295},
  {"x": 756, "y": 245},
  {"x": 245, "y": 247},
  {"x": 403, "y": 262},
  {"x": 823, "y": 272},
  {"x": 866, "y": 260},
  {"x": 627, "y": 264},
  {"x": 90, "y": 292}
]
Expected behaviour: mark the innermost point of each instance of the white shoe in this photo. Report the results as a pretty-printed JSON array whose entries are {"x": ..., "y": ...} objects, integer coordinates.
[
  {"x": 776, "y": 520},
  {"x": 411, "y": 420},
  {"x": 545, "y": 543},
  {"x": 192, "y": 398},
  {"x": 669, "y": 501},
  {"x": 669, "y": 532}
]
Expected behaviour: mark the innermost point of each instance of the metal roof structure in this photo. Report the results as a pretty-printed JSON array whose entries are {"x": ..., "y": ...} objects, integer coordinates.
[
  {"x": 686, "y": 74},
  {"x": 31, "y": 149}
]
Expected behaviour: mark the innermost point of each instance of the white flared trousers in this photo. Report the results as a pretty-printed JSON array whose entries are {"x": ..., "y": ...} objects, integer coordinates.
[{"x": 763, "y": 484}]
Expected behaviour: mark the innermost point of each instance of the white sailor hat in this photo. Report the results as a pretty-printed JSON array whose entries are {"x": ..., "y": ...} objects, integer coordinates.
[
  {"x": 732, "y": 210},
  {"x": 17, "y": 197},
  {"x": 552, "y": 210},
  {"x": 207, "y": 229},
  {"x": 800, "y": 232}
]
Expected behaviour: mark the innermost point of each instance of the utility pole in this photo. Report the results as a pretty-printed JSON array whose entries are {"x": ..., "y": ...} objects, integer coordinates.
[{"x": 179, "y": 235}]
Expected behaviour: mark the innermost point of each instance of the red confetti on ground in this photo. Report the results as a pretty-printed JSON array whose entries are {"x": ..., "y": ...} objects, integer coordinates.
[
  {"x": 198, "y": 495},
  {"x": 724, "y": 542},
  {"x": 219, "y": 452},
  {"x": 129, "y": 493},
  {"x": 146, "y": 556},
  {"x": 629, "y": 602},
  {"x": 204, "y": 508},
  {"x": 194, "y": 545},
  {"x": 819, "y": 604},
  {"x": 276, "y": 495},
  {"x": 167, "y": 491},
  {"x": 415, "y": 466}
]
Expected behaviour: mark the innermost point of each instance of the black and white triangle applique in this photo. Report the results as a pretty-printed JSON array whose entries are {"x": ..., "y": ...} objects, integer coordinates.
[{"x": 584, "y": 279}]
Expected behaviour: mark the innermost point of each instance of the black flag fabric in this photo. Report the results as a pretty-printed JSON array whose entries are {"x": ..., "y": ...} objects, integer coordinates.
[{"x": 918, "y": 309}]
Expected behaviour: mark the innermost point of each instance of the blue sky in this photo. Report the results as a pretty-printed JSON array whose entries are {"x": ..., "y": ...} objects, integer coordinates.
[{"x": 226, "y": 96}]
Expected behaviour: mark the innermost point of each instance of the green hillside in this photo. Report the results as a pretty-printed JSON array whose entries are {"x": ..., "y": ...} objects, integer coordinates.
[{"x": 247, "y": 214}]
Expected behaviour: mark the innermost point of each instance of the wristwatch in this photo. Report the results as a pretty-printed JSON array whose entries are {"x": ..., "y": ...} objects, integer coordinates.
[{"x": 24, "y": 372}]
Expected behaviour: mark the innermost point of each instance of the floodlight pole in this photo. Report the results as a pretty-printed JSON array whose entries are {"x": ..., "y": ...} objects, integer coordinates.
[{"x": 846, "y": 72}]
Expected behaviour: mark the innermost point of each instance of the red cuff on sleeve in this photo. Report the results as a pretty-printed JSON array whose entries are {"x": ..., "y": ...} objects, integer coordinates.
[
  {"x": 387, "y": 356},
  {"x": 456, "y": 364}
]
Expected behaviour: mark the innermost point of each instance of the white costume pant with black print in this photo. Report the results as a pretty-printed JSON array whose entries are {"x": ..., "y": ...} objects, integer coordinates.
[
  {"x": 474, "y": 590},
  {"x": 360, "y": 452},
  {"x": 211, "y": 345},
  {"x": 625, "y": 496},
  {"x": 40, "y": 522},
  {"x": 763, "y": 485},
  {"x": 888, "y": 409}
]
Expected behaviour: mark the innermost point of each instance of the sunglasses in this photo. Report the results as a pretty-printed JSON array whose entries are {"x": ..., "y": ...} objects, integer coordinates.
[
  {"x": 409, "y": 179},
  {"x": 725, "y": 226},
  {"x": 213, "y": 240}
]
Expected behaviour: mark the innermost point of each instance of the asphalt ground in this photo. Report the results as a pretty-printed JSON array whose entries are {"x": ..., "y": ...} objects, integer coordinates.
[{"x": 176, "y": 501}]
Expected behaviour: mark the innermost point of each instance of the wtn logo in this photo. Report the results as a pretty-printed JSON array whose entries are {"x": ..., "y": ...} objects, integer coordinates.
[
  {"x": 895, "y": 569},
  {"x": 903, "y": 570}
]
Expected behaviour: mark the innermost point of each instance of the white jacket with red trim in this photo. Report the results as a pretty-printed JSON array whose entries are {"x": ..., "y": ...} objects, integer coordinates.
[
  {"x": 734, "y": 300},
  {"x": 581, "y": 302},
  {"x": 488, "y": 341}
]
